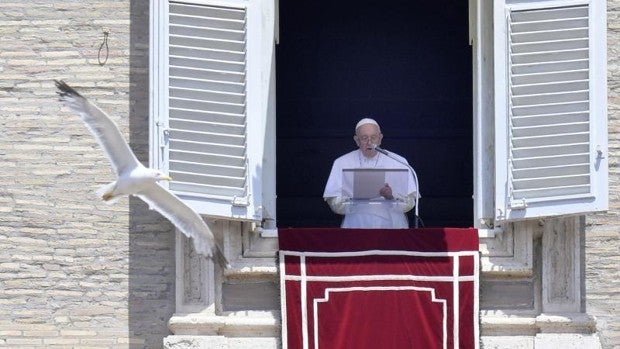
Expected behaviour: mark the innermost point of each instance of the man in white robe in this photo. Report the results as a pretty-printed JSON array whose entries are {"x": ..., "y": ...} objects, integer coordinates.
[{"x": 386, "y": 211}]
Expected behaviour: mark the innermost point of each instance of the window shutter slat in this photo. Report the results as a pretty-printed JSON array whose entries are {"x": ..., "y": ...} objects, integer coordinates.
[
  {"x": 558, "y": 160},
  {"x": 185, "y": 189},
  {"x": 197, "y": 115},
  {"x": 206, "y": 74},
  {"x": 549, "y": 129},
  {"x": 206, "y": 148},
  {"x": 549, "y": 77},
  {"x": 206, "y": 158},
  {"x": 207, "y": 95},
  {"x": 196, "y": 53},
  {"x": 529, "y": 171},
  {"x": 552, "y": 87},
  {"x": 205, "y": 127},
  {"x": 556, "y": 150},
  {"x": 207, "y": 11},
  {"x": 206, "y": 106},
  {"x": 213, "y": 138},
  {"x": 187, "y": 62}
]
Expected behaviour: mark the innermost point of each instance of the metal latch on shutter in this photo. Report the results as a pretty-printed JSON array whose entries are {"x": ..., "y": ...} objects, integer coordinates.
[
  {"x": 599, "y": 153},
  {"x": 164, "y": 139},
  {"x": 518, "y": 204},
  {"x": 240, "y": 201}
]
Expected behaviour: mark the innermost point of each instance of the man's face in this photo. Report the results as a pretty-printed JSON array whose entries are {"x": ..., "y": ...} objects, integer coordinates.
[{"x": 367, "y": 135}]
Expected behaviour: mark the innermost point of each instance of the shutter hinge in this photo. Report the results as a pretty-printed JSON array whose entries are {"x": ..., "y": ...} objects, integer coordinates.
[
  {"x": 240, "y": 201},
  {"x": 518, "y": 204}
]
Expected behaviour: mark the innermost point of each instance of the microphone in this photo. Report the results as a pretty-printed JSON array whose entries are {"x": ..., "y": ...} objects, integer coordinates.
[
  {"x": 380, "y": 150},
  {"x": 415, "y": 176}
]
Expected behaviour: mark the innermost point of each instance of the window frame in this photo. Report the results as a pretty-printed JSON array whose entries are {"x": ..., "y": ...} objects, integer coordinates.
[{"x": 486, "y": 39}]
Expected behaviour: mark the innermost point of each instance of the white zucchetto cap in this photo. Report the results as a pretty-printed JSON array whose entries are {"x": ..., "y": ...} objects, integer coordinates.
[{"x": 365, "y": 121}]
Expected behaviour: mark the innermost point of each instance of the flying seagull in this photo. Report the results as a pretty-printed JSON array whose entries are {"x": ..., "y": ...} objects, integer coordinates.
[{"x": 136, "y": 179}]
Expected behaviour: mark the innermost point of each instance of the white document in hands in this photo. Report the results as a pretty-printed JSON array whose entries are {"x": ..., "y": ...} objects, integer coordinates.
[{"x": 365, "y": 183}]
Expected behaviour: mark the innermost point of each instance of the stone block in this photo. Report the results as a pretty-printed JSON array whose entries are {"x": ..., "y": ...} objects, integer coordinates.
[
  {"x": 507, "y": 342},
  {"x": 566, "y": 341}
]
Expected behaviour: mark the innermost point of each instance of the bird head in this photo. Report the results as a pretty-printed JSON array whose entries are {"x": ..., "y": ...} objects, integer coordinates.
[{"x": 160, "y": 176}]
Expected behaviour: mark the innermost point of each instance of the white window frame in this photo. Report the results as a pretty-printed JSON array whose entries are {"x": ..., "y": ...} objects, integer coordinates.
[{"x": 487, "y": 39}]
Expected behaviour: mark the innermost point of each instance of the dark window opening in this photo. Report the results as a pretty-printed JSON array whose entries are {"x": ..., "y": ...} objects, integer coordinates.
[{"x": 405, "y": 63}]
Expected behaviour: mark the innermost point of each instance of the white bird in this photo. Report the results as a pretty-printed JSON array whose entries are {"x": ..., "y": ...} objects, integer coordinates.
[{"x": 135, "y": 179}]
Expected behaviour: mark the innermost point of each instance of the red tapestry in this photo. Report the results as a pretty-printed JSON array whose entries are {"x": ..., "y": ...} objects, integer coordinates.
[{"x": 389, "y": 289}]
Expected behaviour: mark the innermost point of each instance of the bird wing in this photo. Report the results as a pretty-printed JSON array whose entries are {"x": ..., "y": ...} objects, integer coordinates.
[
  {"x": 102, "y": 127},
  {"x": 184, "y": 218}
]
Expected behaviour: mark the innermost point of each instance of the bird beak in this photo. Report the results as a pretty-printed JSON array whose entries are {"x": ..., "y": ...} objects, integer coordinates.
[{"x": 168, "y": 178}]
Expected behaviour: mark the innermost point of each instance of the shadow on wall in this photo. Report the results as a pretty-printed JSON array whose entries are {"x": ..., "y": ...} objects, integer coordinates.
[{"x": 151, "y": 298}]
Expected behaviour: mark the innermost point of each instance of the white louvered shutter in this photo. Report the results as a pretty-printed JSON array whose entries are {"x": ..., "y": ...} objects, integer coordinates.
[
  {"x": 550, "y": 108},
  {"x": 209, "y": 113}
]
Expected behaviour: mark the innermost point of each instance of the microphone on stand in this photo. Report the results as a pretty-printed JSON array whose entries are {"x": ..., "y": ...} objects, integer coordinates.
[
  {"x": 415, "y": 176},
  {"x": 380, "y": 150}
]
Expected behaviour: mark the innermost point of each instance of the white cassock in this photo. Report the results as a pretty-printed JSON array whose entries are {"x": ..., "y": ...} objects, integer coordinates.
[{"x": 378, "y": 213}]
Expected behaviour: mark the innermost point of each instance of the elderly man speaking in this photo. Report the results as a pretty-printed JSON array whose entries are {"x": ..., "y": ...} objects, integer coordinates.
[{"x": 387, "y": 209}]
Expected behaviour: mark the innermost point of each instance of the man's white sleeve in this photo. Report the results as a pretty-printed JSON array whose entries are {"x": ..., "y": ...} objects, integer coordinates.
[
  {"x": 406, "y": 203},
  {"x": 337, "y": 204}
]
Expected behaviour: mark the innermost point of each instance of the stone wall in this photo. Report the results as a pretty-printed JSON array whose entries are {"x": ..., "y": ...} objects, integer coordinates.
[
  {"x": 603, "y": 230},
  {"x": 73, "y": 271}
]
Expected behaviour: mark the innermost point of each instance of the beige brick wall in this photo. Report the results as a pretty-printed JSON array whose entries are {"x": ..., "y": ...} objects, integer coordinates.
[
  {"x": 603, "y": 230},
  {"x": 75, "y": 272}
]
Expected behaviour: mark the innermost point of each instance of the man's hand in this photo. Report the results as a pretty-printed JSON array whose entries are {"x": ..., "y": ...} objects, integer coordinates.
[{"x": 386, "y": 192}]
